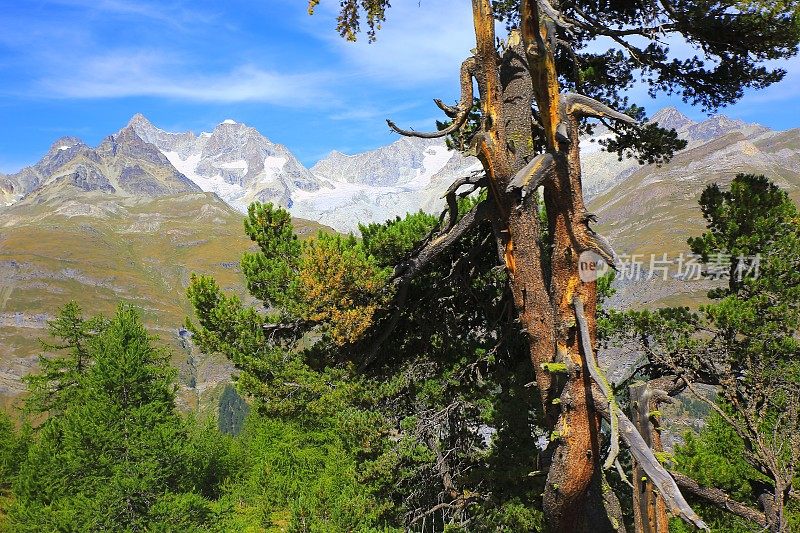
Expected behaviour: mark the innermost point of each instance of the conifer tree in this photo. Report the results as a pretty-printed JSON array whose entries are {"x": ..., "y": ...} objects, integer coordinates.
[
  {"x": 115, "y": 457},
  {"x": 745, "y": 344},
  {"x": 564, "y": 62},
  {"x": 54, "y": 385}
]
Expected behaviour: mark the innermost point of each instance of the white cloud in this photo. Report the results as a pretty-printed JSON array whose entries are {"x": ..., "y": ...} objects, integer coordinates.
[
  {"x": 370, "y": 112},
  {"x": 151, "y": 73},
  {"x": 421, "y": 42},
  {"x": 173, "y": 14}
]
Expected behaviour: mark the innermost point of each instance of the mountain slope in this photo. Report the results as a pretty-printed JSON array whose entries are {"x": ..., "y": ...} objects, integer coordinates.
[
  {"x": 123, "y": 165},
  {"x": 655, "y": 209},
  {"x": 235, "y": 161},
  {"x": 121, "y": 222},
  {"x": 100, "y": 250}
]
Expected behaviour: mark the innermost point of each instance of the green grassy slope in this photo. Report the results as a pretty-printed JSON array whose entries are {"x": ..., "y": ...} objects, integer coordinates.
[
  {"x": 656, "y": 209},
  {"x": 100, "y": 250}
]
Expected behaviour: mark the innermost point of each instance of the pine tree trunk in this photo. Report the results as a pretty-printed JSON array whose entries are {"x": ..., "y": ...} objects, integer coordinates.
[{"x": 544, "y": 286}]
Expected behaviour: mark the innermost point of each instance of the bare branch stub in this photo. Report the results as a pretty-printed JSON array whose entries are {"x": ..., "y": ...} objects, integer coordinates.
[
  {"x": 533, "y": 174},
  {"x": 720, "y": 499},
  {"x": 555, "y": 15},
  {"x": 449, "y": 110},
  {"x": 589, "y": 240},
  {"x": 461, "y": 111},
  {"x": 581, "y": 106}
]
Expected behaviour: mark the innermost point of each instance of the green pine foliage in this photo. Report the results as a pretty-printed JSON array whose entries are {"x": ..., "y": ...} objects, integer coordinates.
[
  {"x": 441, "y": 411},
  {"x": 344, "y": 438},
  {"x": 114, "y": 455},
  {"x": 293, "y": 478},
  {"x": 714, "y": 458},
  {"x": 14, "y": 445}
]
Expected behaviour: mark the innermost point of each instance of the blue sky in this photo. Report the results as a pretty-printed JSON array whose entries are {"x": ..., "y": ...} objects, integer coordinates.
[{"x": 84, "y": 67}]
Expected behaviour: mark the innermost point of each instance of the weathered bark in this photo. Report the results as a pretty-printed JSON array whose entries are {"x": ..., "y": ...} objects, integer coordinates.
[
  {"x": 544, "y": 280},
  {"x": 576, "y": 446},
  {"x": 543, "y": 290},
  {"x": 649, "y": 509}
]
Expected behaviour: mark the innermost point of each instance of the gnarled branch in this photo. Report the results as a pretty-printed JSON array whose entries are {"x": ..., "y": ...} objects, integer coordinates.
[
  {"x": 408, "y": 269},
  {"x": 475, "y": 179},
  {"x": 719, "y": 499},
  {"x": 580, "y": 106},
  {"x": 427, "y": 253},
  {"x": 639, "y": 449},
  {"x": 461, "y": 111}
]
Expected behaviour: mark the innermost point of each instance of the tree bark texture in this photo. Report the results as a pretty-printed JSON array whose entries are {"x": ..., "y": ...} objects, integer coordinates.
[
  {"x": 543, "y": 290},
  {"x": 649, "y": 509},
  {"x": 521, "y": 152}
]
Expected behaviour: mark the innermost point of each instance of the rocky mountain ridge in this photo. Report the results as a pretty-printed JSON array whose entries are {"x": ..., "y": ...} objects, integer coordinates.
[
  {"x": 240, "y": 165},
  {"x": 123, "y": 165}
]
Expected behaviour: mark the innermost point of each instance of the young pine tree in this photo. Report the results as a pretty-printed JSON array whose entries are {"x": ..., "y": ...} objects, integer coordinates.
[
  {"x": 115, "y": 457},
  {"x": 745, "y": 344},
  {"x": 53, "y": 387}
]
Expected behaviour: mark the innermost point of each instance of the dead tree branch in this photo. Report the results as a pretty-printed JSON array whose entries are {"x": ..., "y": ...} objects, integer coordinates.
[
  {"x": 639, "y": 449},
  {"x": 476, "y": 179},
  {"x": 533, "y": 174},
  {"x": 581, "y": 106},
  {"x": 719, "y": 499},
  {"x": 432, "y": 249},
  {"x": 461, "y": 111},
  {"x": 600, "y": 379}
]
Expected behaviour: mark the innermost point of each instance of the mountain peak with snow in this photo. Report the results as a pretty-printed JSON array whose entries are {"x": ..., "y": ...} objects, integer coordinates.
[
  {"x": 65, "y": 143},
  {"x": 241, "y": 165},
  {"x": 234, "y": 161}
]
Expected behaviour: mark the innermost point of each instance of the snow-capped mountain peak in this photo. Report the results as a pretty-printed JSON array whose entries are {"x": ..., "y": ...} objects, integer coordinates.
[
  {"x": 405, "y": 176},
  {"x": 234, "y": 160},
  {"x": 241, "y": 165}
]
